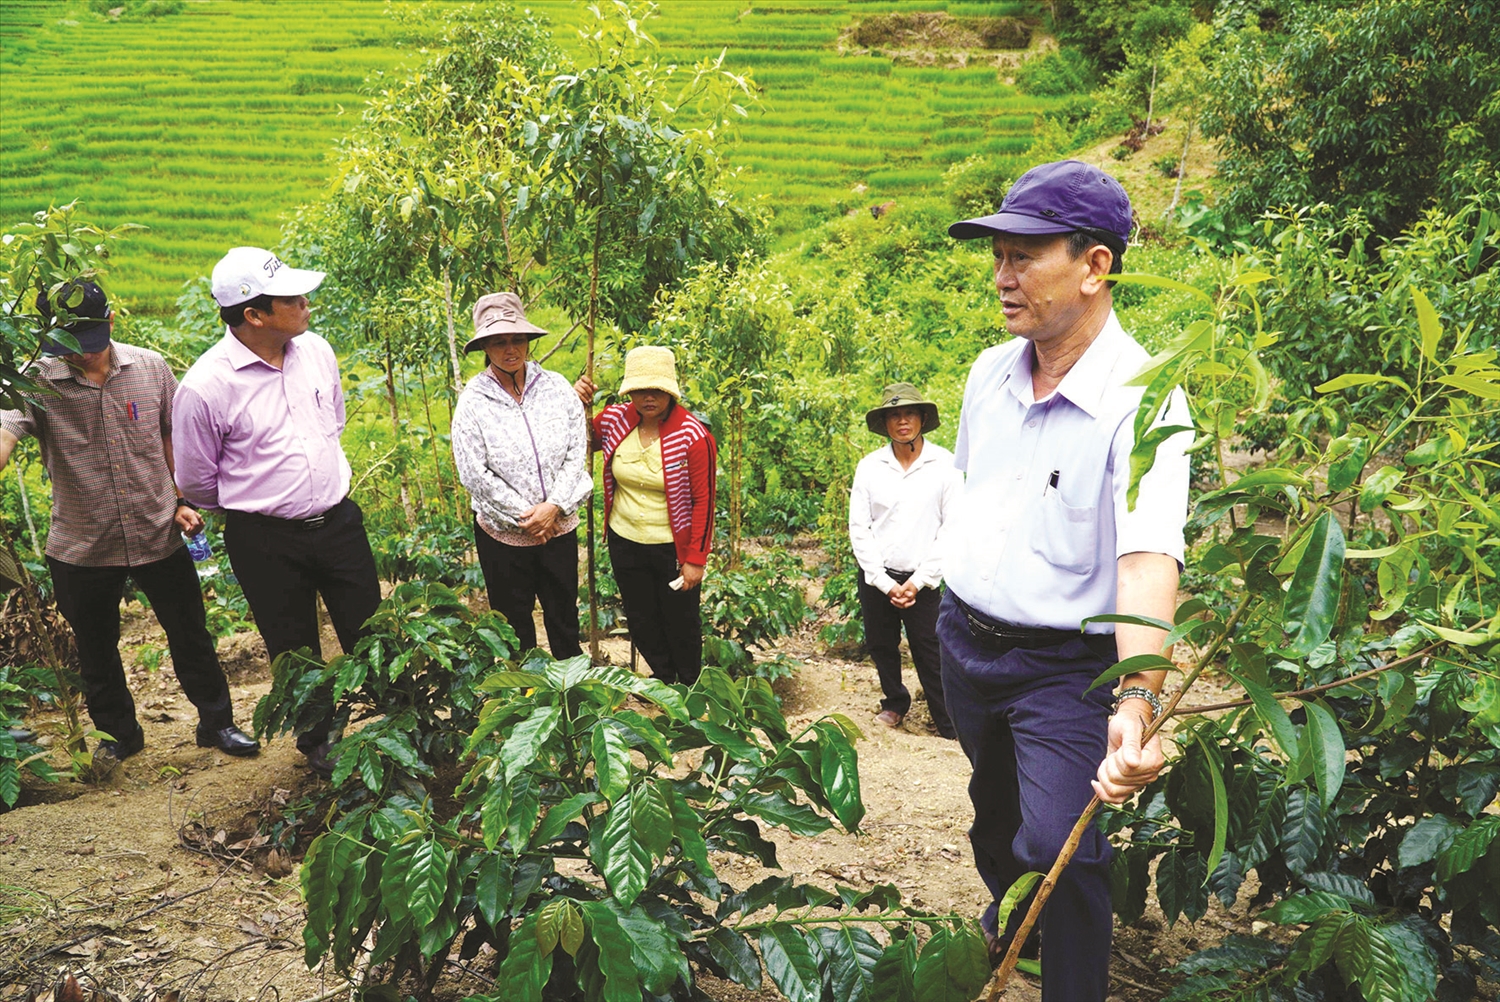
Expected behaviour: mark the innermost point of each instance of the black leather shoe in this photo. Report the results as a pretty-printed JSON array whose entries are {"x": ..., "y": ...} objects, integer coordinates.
[
  {"x": 320, "y": 759},
  {"x": 229, "y": 740},
  {"x": 123, "y": 748}
]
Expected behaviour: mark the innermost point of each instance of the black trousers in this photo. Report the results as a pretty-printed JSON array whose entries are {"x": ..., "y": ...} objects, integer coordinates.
[
  {"x": 89, "y": 599},
  {"x": 283, "y": 567},
  {"x": 663, "y": 623},
  {"x": 517, "y": 577},
  {"x": 883, "y": 623}
]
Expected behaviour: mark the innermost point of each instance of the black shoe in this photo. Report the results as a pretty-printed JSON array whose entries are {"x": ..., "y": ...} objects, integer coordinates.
[
  {"x": 320, "y": 759},
  {"x": 229, "y": 740},
  {"x": 122, "y": 748}
]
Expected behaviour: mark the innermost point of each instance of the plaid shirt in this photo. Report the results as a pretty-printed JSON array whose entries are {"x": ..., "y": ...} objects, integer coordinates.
[{"x": 113, "y": 501}]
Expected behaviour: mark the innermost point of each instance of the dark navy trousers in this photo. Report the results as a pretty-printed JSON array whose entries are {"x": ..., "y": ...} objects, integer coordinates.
[{"x": 1035, "y": 739}]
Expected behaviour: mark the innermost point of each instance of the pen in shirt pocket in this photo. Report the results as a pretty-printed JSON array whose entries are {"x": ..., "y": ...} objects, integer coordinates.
[{"x": 1051, "y": 482}]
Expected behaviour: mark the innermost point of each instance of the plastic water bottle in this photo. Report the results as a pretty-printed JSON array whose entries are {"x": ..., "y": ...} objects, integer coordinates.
[{"x": 199, "y": 549}]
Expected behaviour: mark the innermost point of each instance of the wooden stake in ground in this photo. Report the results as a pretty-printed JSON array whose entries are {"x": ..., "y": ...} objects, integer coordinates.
[{"x": 588, "y": 416}]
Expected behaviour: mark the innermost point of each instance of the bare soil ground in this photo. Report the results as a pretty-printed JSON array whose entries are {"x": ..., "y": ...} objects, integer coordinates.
[{"x": 150, "y": 885}]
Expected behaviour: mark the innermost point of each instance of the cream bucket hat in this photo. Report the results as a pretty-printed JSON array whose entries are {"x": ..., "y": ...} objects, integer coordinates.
[{"x": 651, "y": 367}]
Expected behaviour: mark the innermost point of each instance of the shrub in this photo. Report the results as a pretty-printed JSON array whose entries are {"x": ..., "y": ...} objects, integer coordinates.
[
  {"x": 581, "y": 854},
  {"x": 1057, "y": 74},
  {"x": 18, "y": 687},
  {"x": 750, "y": 607},
  {"x": 413, "y": 677}
]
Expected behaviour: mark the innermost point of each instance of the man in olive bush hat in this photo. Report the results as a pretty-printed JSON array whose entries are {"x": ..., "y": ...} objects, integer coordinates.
[
  {"x": 1044, "y": 539},
  {"x": 901, "y": 494}
]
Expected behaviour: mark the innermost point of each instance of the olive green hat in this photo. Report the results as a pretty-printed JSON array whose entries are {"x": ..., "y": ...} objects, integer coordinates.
[{"x": 902, "y": 395}]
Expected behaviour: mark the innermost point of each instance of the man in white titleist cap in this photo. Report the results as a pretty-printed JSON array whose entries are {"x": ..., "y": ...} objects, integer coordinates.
[{"x": 256, "y": 427}]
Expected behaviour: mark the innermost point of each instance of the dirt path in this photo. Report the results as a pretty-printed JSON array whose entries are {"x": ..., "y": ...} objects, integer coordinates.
[{"x": 96, "y": 880}]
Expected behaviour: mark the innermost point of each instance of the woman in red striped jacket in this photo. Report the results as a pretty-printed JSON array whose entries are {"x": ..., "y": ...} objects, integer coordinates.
[{"x": 659, "y": 491}]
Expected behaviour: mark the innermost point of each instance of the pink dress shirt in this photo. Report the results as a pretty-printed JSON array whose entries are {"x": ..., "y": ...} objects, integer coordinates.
[{"x": 250, "y": 437}]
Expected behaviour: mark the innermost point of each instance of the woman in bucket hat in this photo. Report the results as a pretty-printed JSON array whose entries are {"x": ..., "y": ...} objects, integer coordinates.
[
  {"x": 901, "y": 495},
  {"x": 659, "y": 492},
  {"x": 520, "y": 442}
]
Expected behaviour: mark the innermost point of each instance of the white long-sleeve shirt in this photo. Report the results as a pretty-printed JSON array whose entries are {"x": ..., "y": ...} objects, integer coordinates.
[{"x": 896, "y": 515}]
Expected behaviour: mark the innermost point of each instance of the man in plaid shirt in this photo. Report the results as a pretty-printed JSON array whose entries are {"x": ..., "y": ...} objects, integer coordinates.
[{"x": 106, "y": 439}]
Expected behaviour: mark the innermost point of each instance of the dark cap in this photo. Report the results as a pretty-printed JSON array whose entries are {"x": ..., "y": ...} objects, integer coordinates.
[
  {"x": 1058, "y": 197},
  {"x": 91, "y": 313}
]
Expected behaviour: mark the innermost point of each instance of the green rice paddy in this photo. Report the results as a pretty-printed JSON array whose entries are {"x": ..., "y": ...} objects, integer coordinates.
[{"x": 211, "y": 125}]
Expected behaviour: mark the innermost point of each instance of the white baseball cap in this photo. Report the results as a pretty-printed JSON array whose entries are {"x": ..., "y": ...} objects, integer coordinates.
[{"x": 247, "y": 272}]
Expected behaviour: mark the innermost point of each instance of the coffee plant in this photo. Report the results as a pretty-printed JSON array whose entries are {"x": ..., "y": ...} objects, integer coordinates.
[
  {"x": 581, "y": 849},
  {"x": 412, "y": 677},
  {"x": 1357, "y": 777}
]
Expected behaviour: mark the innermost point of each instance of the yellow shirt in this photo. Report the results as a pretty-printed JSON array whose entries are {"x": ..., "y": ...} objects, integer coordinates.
[{"x": 639, "y": 511}]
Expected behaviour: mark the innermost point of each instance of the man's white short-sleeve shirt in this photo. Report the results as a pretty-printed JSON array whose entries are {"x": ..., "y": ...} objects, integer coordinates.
[{"x": 1042, "y": 517}]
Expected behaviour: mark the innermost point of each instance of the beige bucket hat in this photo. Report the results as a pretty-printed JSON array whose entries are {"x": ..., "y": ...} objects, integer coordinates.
[
  {"x": 651, "y": 367},
  {"x": 500, "y": 313},
  {"x": 901, "y": 395}
]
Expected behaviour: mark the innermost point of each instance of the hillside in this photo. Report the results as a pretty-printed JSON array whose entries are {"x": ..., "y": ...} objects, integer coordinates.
[{"x": 209, "y": 124}]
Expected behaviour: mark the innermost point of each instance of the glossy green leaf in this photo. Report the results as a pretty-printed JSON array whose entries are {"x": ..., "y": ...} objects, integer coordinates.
[
  {"x": 1160, "y": 282},
  {"x": 651, "y": 818},
  {"x": 1378, "y": 486},
  {"x": 616, "y": 963},
  {"x": 849, "y": 958},
  {"x": 1016, "y": 893},
  {"x": 1302, "y": 908},
  {"x": 492, "y": 888},
  {"x": 1314, "y": 947},
  {"x": 559, "y": 815},
  {"x": 1427, "y": 323},
  {"x": 611, "y": 761},
  {"x": 1132, "y": 665},
  {"x": 1350, "y": 379},
  {"x": 1302, "y": 830},
  {"x": 655, "y": 950},
  {"x": 1349, "y": 456},
  {"x": 894, "y": 973},
  {"x": 1478, "y": 386},
  {"x": 733, "y": 952},
  {"x": 626, "y": 861},
  {"x": 1467, "y": 847},
  {"x": 1272, "y": 716},
  {"x": 426, "y": 881},
  {"x": 521, "y": 748},
  {"x": 776, "y": 809},
  {"x": 688, "y": 826},
  {"x": 790, "y": 963},
  {"x": 1326, "y": 745},
  {"x": 953, "y": 965},
  {"x": 1258, "y": 480},
  {"x": 526, "y": 968},
  {"x": 839, "y": 769},
  {"x": 1312, "y": 598},
  {"x": 1221, "y": 800},
  {"x": 1426, "y": 839}
]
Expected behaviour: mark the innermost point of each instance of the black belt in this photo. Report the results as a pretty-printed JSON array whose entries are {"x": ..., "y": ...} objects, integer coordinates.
[
  {"x": 999, "y": 636},
  {"x": 308, "y": 524}
]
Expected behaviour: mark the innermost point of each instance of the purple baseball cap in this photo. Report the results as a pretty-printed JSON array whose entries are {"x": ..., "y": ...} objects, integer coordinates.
[{"x": 1057, "y": 198}]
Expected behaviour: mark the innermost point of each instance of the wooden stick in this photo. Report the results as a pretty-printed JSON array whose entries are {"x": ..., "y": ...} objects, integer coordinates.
[{"x": 1049, "y": 882}]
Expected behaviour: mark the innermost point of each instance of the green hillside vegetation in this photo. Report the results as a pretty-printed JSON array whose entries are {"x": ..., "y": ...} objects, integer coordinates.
[
  {"x": 214, "y": 144},
  {"x": 206, "y": 124},
  {"x": 1343, "y": 744}
]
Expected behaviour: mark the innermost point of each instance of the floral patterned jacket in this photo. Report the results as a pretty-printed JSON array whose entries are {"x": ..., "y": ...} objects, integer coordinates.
[{"x": 511, "y": 456}]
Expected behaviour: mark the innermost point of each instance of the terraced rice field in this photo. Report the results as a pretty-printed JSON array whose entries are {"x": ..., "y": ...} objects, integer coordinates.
[{"x": 210, "y": 125}]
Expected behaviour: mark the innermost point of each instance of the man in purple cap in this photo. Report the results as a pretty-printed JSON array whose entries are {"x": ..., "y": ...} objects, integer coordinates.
[
  {"x": 1042, "y": 539},
  {"x": 257, "y": 426},
  {"x": 106, "y": 435}
]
